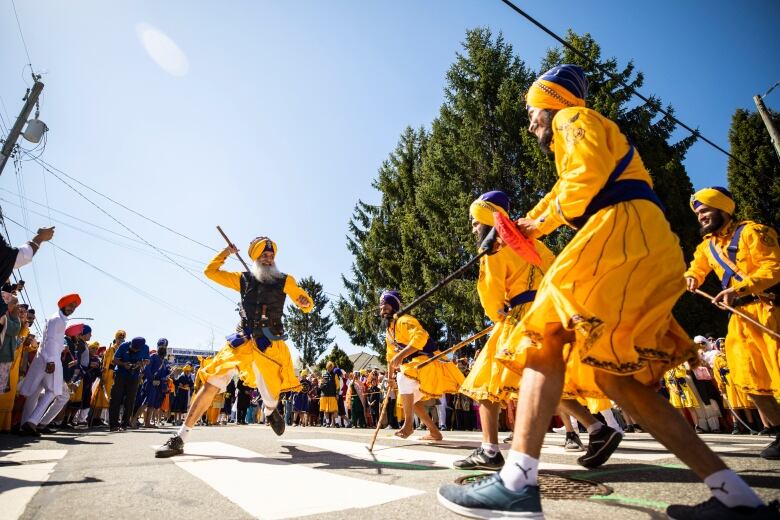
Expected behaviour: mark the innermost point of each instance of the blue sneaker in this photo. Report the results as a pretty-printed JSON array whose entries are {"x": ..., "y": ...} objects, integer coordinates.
[{"x": 489, "y": 498}]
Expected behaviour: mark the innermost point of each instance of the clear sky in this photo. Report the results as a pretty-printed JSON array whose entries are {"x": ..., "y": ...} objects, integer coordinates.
[{"x": 273, "y": 118}]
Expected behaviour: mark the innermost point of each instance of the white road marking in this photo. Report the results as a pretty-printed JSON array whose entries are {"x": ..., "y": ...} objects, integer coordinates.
[
  {"x": 20, "y": 482},
  {"x": 271, "y": 489},
  {"x": 392, "y": 454}
]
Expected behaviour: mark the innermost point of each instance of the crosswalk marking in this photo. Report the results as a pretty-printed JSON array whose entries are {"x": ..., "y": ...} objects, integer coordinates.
[
  {"x": 270, "y": 488},
  {"x": 402, "y": 455},
  {"x": 19, "y": 481}
]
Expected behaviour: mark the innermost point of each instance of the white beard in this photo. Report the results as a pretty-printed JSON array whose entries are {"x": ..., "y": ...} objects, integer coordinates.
[{"x": 265, "y": 273}]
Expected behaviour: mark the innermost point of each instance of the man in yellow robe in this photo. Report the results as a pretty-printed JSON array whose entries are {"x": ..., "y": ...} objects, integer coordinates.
[
  {"x": 506, "y": 286},
  {"x": 408, "y": 345},
  {"x": 610, "y": 292},
  {"x": 103, "y": 389},
  {"x": 746, "y": 257},
  {"x": 258, "y": 353}
]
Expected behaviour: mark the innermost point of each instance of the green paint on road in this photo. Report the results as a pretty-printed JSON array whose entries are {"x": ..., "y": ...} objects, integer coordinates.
[
  {"x": 406, "y": 465},
  {"x": 631, "y": 500},
  {"x": 596, "y": 474}
]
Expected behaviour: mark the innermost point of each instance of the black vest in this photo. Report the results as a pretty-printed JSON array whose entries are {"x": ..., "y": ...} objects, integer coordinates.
[{"x": 262, "y": 304}]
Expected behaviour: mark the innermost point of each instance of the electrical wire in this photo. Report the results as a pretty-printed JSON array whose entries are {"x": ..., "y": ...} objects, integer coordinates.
[
  {"x": 192, "y": 317},
  {"x": 131, "y": 210},
  {"x": 54, "y": 250},
  {"x": 109, "y": 215},
  {"x": 770, "y": 90},
  {"x": 21, "y": 35},
  {"x": 601, "y": 68}
]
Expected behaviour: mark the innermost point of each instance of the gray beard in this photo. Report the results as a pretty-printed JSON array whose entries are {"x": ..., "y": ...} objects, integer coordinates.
[{"x": 265, "y": 273}]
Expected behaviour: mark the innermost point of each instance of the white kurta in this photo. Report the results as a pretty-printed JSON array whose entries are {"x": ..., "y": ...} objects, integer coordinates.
[{"x": 50, "y": 351}]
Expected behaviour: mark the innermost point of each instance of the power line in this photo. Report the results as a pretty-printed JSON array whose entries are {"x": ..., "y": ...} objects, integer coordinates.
[
  {"x": 109, "y": 215},
  {"x": 196, "y": 319},
  {"x": 601, "y": 68},
  {"x": 54, "y": 250},
  {"x": 114, "y": 233},
  {"x": 21, "y": 35},
  {"x": 771, "y": 89},
  {"x": 131, "y": 210}
]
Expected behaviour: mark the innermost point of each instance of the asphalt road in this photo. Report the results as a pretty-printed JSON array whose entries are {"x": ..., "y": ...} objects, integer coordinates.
[{"x": 246, "y": 471}]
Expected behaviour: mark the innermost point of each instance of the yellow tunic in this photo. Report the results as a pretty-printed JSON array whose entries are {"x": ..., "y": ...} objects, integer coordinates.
[
  {"x": 102, "y": 391},
  {"x": 617, "y": 280},
  {"x": 680, "y": 393},
  {"x": 275, "y": 364},
  {"x": 435, "y": 379},
  {"x": 502, "y": 276},
  {"x": 736, "y": 397},
  {"x": 752, "y": 354}
]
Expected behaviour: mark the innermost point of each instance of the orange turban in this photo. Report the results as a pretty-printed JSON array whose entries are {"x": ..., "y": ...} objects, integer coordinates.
[
  {"x": 69, "y": 299},
  {"x": 558, "y": 88},
  {"x": 260, "y": 245}
]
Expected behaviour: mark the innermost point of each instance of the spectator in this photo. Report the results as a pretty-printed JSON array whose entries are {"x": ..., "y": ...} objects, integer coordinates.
[{"x": 130, "y": 359}]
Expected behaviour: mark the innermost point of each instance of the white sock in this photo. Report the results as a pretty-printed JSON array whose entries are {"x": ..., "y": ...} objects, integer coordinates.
[
  {"x": 729, "y": 488},
  {"x": 574, "y": 423},
  {"x": 491, "y": 450},
  {"x": 596, "y": 426},
  {"x": 184, "y": 432},
  {"x": 609, "y": 416},
  {"x": 520, "y": 470}
]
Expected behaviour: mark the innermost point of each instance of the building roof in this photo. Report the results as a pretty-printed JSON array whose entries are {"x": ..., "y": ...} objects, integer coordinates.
[{"x": 364, "y": 360}]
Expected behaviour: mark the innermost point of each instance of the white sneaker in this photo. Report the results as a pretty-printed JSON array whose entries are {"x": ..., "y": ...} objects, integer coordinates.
[{"x": 561, "y": 429}]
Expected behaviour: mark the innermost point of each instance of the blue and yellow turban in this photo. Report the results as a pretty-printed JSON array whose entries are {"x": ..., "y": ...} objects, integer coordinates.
[
  {"x": 482, "y": 209},
  {"x": 392, "y": 298},
  {"x": 560, "y": 87},
  {"x": 716, "y": 197},
  {"x": 259, "y": 246}
]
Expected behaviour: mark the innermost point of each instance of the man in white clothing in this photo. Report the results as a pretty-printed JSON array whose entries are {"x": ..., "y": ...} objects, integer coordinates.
[{"x": 45, "y": 373}]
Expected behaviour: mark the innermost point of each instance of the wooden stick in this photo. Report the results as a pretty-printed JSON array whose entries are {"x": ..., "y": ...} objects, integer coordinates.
[
  {"x": 456, "y": 347},
  {"x": 232, "y": 245},
  {"x": 381, "y": 414},
  {"x": 739, "y": 313}
]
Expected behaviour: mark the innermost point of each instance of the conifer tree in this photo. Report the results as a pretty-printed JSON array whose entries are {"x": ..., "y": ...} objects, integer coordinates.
[{"x": 309, "y": 331}]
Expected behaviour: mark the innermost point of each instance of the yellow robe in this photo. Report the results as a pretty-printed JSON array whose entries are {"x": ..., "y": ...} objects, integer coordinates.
[
  {"x": 736, "y": 397},
  {"x": 752, "y": 354},
  {"x": 275, "y": 364},
  {"x": 617, "y": 280},
  {"x": 102, "y": 393},
  {"x": 680, "y": 393},
  {"x": 502, "y": 276},
  {"x": 435, "y": 379}
]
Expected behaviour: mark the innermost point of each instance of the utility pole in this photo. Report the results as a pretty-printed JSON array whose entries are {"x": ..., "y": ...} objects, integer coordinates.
[
  {"x": 770, "y": 125},
  {"x": 30, "y": 100}
]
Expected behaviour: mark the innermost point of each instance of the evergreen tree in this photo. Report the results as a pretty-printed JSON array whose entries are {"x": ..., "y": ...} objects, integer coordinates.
[
  {"x": 309, "y": 331},
  {"x": 756, "y": 187},
  {"x": 479, "y": 142},
  {"x": 339, "y": 358}
]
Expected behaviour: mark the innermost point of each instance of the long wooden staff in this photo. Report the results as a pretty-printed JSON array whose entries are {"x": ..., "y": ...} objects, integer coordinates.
[
  {"x": 390, "y": 388},
  {"x": 266, "y": 356},
  {"x": 456, "y": 347},
  {"x": 739, "y": 313},
  {"x": 441, "y": 284}
]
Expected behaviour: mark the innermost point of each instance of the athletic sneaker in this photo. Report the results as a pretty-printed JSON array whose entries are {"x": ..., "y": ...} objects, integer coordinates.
[
  {"x": 510, "y": 437},
  {"x": 601, "y": 445},
  {"x": 559, "y": 429},
  {"x": 277, "y": 422},
  {"x": 489, "y": 498},
  {"x": 714, "y": 509},
  {"x": 772, "y": 452},
  {"x": 479, "y": 459},
  {"x": 573, "y": 442},
  {"x": 173, "y": 446}
]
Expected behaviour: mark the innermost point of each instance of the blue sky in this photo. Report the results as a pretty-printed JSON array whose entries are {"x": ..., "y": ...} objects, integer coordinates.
[{"x": 277, "y": 118}]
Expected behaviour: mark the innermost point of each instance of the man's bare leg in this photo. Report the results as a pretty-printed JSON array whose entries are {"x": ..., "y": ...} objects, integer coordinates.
[
  {"x": 407, "y": 403},
  {"x": 488, "y": 416},
  {"x": 768, "y": 408},
  {"x": 578, "y": 411},
  {"x": 659, "y": 418},
  {"x": 433, "y": 428}
]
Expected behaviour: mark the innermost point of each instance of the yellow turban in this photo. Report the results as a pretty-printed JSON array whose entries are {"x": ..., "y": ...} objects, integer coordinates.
[
  {"x": 94, "y": 345},
  {"x": 187, "y": 369},
  {"x": 560, "y": 87},
  {"x": 304, "y": 373},
  {"x": 259, "y": 245},
  {"x": 120, "y": 332},
  {"x": 482, "y": 209},
  {"x": 715, "y": 197}
]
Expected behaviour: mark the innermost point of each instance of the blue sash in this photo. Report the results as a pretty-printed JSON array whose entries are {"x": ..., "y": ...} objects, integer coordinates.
[
  {"x": 523, "y": 297},
  {"x": 731, "y": 252},
  {"x": 615, "y": 191}
]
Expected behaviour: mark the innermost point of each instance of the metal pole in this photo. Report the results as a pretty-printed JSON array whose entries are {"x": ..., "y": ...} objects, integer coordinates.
[
  {"x": 13, "y": 135},
  {"x": 774, "y": 135}
]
